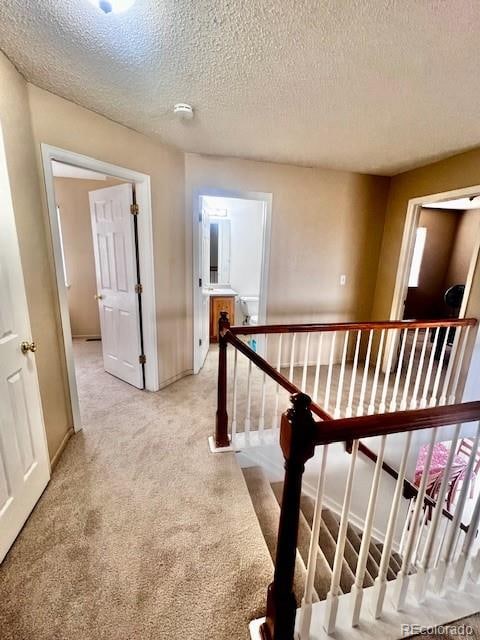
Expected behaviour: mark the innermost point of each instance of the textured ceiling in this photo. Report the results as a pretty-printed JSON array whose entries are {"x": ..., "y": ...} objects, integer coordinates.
[{"x": 368, "y": 85}]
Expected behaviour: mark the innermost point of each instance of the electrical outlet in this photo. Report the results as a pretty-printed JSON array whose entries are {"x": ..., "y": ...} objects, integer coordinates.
[{"x": 343, "y": 280}]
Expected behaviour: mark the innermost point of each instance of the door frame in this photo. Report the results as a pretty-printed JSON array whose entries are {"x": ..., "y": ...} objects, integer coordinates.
[
  {"x": 267, "y": 199},
  {"x": 141, "y": 182},
  {"x": 408, "y": 242}
]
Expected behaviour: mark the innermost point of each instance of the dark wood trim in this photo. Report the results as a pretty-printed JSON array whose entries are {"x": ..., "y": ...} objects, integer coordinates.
[
  {"x": 381, "y": 424},
  {"x": 221, "y": 416},
  {"x": 352, "y": 326},
  {"x": 296, "y": 439}
]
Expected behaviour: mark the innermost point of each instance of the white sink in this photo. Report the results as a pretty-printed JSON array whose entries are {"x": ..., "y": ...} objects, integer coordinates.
[{"x": 225, "y": 291}]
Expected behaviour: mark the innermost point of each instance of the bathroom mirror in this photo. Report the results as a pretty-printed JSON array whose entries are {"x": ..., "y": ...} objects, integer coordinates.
[{"x": 220, "y": 251}]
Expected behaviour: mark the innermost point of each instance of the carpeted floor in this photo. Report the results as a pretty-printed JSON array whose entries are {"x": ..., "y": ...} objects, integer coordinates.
[{"x": 141, "y": 533}]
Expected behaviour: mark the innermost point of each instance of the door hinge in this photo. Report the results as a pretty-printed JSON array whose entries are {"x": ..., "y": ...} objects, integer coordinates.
[
  {"x": 200, "y": 342},
  {"x": 139, "y": 288},
  {"x": 199, "y": 217},
  {"x": 134, "y": 209},
  {"x": 142, "y": 359},
  {"x": 199, "y": 282}
]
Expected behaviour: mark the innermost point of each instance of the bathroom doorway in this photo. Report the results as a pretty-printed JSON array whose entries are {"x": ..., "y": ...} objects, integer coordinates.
[{"x": 230, "y": 264}]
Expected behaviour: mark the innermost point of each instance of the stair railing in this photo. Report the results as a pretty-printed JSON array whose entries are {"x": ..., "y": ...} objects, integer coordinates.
[
  {"x": 406, "y": 365},
  {"x": 348, "y": 369},
  {"x": 299, "y": 435}
]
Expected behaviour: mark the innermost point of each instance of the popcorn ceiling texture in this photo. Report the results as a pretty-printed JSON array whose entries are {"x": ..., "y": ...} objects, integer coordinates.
[{"x": 376, "y": 86}]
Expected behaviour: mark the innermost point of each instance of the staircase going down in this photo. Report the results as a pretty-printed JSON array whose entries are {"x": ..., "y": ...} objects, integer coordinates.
[{"x": 266, "y": 499}]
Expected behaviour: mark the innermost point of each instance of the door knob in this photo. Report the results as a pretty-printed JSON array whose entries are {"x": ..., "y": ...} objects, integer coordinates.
[
  {"x": 28, "y": 346},
  {"x": 98, "y": 296}
]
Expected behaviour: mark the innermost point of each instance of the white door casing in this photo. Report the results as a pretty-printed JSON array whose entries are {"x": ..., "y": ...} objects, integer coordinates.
[
  {"x": 116, "y": 275},
  {"x": 204, "y": 270},
  {"x": 24, "y": 463}
]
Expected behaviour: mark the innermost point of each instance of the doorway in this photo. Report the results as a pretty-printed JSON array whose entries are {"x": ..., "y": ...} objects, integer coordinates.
[
  {"x": 231, "y": 256},
  {"x": 100, "y": 221},
  {"x": 440, "y": 249}
]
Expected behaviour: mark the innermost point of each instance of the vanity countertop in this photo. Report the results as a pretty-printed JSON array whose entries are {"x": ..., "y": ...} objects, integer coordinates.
[{"x": 226, "y": 291}]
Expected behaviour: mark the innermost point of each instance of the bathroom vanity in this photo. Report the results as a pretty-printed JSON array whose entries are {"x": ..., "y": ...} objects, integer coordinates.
[{"x": 221, "y": 300}]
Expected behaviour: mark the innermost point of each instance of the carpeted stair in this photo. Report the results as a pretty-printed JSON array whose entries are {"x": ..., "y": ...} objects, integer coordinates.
[{"x": 266, "y": 499}]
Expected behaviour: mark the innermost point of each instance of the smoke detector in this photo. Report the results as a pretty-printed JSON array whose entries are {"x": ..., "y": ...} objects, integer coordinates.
[{"x": 183, "y": 111}]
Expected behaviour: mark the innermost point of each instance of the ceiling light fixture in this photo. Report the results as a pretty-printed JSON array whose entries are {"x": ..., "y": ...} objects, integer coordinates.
[{"x": 113, "y": 6}]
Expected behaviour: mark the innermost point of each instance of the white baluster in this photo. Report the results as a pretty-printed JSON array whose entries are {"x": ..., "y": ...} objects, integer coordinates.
[
  {"x": 401, "y": 585},
  {"x": 329, "y": 374},
  {"x": 248, "y": 421},
  {"x": 406, "y": 386},
  {"x": 276, "y": 418},
  {"x": 458, "y": 366},
  {"x": 317, "y": 368},
  {"x": 413, "y": 401},
  {"x": 462, "y": 568},
  {"x": 451, "y": 361},
  {"x": 306, "y": 611},
  {"x": 426, "y": 384},
  {"x": 234, "y": 398},
  {"x": 383, "y": 401},
  {"x": 371, "y": 406},
  {"x": 447, "y": 556},
  {"x": 426, "y": 567},
  {"x": 261, "y": 418},
  {"x": 366, "y": 369},
  {"x": 357, "y": 588},
  {"x": 292, "y": 357},
  {"x": 349, "y": 410},
  {"x": 393, "y": 402},
  {"x": 380, "y": 585},
  {"x": 305, "y": 363},
  {"x": 403, "y": 538},
  {"x": 331, "y": 603},
  {"x": 438, "y": 375},
  {"x": 341, "y": 376}
]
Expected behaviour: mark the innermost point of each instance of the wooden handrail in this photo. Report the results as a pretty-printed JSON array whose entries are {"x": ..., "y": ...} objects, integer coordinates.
[
  {"x": 380, "y": 424},
  {"x": 246, "y": 330}
]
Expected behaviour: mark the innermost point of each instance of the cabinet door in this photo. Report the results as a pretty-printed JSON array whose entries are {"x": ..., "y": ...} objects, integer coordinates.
[{"x": 217, "y": 305}]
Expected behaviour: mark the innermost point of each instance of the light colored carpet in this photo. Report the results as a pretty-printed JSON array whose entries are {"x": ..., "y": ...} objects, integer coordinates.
[{"x": 141, "y": 533}]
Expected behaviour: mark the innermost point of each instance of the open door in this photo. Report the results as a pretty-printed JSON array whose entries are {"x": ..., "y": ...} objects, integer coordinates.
[
  {"x": 118, "y": 290},
  {"x": 24, "y": 465},
  {"x": 204, "y": 270}
]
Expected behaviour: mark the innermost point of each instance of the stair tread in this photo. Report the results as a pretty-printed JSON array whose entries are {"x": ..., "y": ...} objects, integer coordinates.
[
  {"x": 323, "y": 572},
  {"x": 267, "y": 510}
]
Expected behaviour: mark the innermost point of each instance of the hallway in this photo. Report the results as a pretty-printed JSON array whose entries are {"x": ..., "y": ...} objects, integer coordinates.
[{"x": 141, "y": 533}]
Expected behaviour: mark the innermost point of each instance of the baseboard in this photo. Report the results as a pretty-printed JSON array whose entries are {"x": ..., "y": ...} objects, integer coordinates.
[
  {"x": 87, "y": 337},
  {"x": 178, "y": 376},
  {"x": 59, "y": 451}
]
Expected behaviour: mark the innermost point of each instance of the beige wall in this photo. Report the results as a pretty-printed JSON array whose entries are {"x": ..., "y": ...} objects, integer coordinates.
[
  {"x": 324, "y": 224},
  {"x": 426, "y": 300},
  {"x": 31, "y": 229},
  {"x": 467, "y": 234},
  {"x": 72, "y": 198}
]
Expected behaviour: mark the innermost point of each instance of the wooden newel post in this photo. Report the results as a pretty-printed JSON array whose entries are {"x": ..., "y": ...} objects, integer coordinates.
[
  {"x": 297, "y": 437},
  {"x": 221, "y": 419}
]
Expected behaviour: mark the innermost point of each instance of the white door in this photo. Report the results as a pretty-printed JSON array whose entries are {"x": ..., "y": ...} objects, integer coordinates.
[
  {"x": 116, "y": 272},
  {"x": 24, "y": 464},
  {"x": 204, "y": 270}
]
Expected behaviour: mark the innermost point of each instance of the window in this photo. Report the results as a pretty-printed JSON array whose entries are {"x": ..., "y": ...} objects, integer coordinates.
[
  {"x": 418, "y": 250},
  {"x": 64, "y": 264}
]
